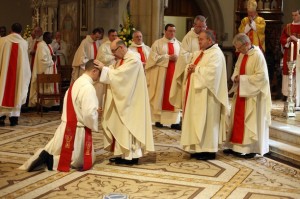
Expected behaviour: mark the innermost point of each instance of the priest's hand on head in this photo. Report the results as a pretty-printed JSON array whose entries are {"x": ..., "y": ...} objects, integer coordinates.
[{"x": 98, "y": 64}]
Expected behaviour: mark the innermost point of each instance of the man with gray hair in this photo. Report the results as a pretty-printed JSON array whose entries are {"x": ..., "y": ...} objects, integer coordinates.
[
  {"x": 206, "y": 105},
  {"x": 248, "y": 132},
  {"x": 189, "y": 45},
  {"x": 138, "y": 46}
]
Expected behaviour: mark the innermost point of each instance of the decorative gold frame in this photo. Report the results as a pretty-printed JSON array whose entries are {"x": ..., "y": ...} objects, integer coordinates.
[{"x": 84, "y": 13}]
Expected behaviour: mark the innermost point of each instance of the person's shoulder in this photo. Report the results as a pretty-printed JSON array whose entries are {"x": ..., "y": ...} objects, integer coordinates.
[
  {"x": 259, "y": 18},
  {"x": 147, "y": 47},
  {"x": 245, "y": 19},
  {"x": 177, "y": 41},
  {"x": 132, "y": 57},
  {"x": 158, "y": 40},
  {"x": 2, "y": 40},
  {"x": 190, "y": 34},
  {"x": 214, "y": 51}
]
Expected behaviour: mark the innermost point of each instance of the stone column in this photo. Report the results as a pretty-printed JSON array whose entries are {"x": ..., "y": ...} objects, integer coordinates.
[{"x": 147, "y": 16}]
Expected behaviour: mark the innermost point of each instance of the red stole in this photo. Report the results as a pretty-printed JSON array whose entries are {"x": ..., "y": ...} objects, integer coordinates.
[
  {"x": 140, "y": 50},
  {"x": 33, "y": 56},
  {"x": 169, "y": 76},
  {"x": 112, "y": 148},
  {"x": 69, "y": 137},
  {"x": 121, "y": 62},
  {"x": 95, "y": 49},
  {"x": 238, "y": 128},
  {"x": 11, "y": 78},
  {"x": 189, "y": 79},
  {"x": 54, "y": 71}
]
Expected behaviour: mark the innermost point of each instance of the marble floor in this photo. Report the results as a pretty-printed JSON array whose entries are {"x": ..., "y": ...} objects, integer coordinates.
[{"x": 167, "y": 173}]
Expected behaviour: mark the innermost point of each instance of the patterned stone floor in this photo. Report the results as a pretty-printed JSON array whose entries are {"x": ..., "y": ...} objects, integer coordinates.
[{"x": 168, "y": 173}]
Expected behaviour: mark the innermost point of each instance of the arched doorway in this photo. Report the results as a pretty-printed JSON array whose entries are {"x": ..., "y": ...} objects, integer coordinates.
[{"x": 182, "y": 13}]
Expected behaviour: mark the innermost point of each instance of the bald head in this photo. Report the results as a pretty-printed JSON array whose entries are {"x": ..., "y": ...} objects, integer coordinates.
[
  {"x": 118, "y": 48},
  {"x": 113, "y": 44}
]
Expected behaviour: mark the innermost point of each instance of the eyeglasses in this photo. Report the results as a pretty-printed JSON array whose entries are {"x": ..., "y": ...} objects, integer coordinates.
[
  {"x": 115, "y": 50},
  {"x": 240, "y": 47}
]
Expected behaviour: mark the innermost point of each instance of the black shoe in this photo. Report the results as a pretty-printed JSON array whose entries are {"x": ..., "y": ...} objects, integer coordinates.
[
  {"x": 115, "y": 159},
  {"x": 127, "y": 162},
  {"x": 119, "y": 160},
  {"x": 176, "y": 126},
  {"x": 49, "y": 160},
  {"x": 195, "y": 155},
  {"x": 228, "y": 151},
  {"x": 159, "y": 125},
  {"x": 2, "y": 119},
  {"x": 44, "y": 158},
  {"x": 245, "y": 155},
  {"x": 13, "y": 121},
  {"x": 206, "y": 156}
]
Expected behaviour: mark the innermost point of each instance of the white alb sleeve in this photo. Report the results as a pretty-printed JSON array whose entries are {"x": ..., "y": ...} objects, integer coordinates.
[{"x": 104, "y": 78}]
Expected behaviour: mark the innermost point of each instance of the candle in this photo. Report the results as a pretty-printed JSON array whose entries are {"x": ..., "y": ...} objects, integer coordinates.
[
  {"x": 292, "y": 52},
  {"x": 298, "y": 47}
]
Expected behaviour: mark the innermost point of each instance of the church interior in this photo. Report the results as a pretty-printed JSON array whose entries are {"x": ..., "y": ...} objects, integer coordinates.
[{"x": 168, "y": 172}]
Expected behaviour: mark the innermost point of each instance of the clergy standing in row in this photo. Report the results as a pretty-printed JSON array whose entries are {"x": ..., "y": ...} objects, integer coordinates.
[
  {"x": 206, "y": 105},
  {"x": 44, "y": 62},
  {"x": 72, "y": 144},
  {"x": 14, "y": 75},
  {"x": 138, "y": 46},
  {"x": 159, "y": 71},
  {"x": 189, "y": 45},
  {"x": 250, "y": 116},
  {"x": 126, "y": 116}
]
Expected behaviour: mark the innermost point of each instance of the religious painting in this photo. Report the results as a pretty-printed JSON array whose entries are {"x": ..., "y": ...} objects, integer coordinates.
[
  {"x": 189, "y": 24},
  {"x": 68, "y": 26}
]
